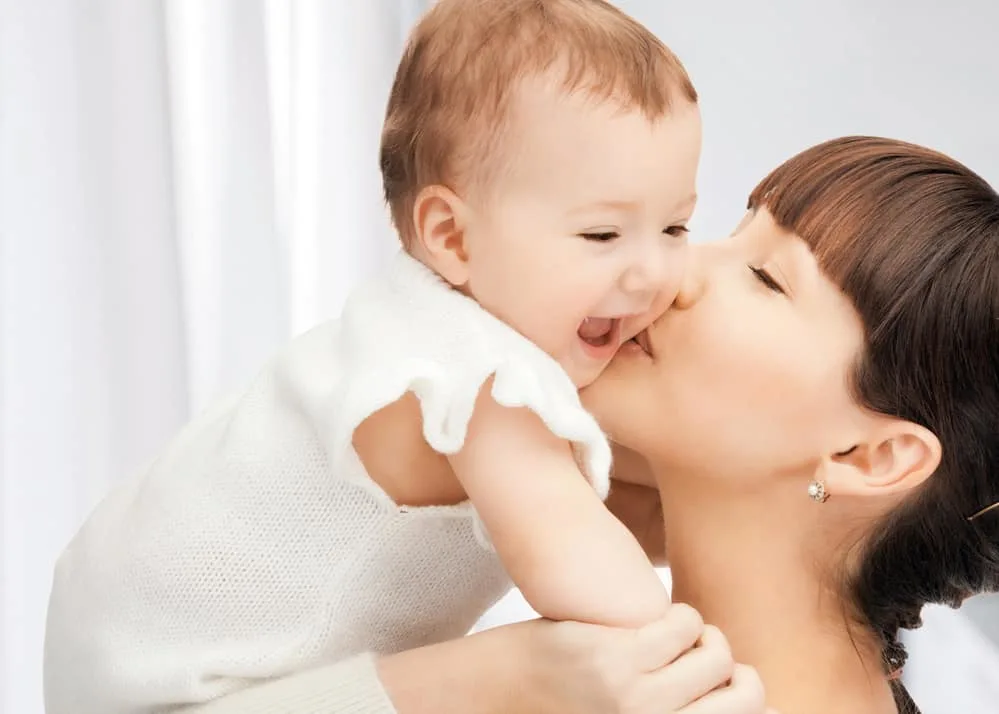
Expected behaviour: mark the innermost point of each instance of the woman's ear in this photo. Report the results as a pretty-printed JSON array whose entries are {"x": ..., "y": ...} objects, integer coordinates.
[
  {"x": 439, "y": 219},
  {"x": 896, "y": 457}
]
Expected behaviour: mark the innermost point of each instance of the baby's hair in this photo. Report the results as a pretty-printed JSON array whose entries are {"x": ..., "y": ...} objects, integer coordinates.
[{"x": 450, "y": 98}]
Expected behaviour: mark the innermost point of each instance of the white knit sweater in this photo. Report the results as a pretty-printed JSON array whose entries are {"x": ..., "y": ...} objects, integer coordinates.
[
  {"x": 256, "y": 546},
  {"x": 347, "y": 687}
]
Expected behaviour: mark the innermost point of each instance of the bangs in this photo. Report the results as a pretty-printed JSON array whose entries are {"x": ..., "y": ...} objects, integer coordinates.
[
  {"x": 894, "y": 225},
  {"x": 862, "y": 200}
]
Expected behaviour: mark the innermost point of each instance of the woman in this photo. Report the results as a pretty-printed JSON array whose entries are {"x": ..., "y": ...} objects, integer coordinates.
[{"x": 820, "y": 413}]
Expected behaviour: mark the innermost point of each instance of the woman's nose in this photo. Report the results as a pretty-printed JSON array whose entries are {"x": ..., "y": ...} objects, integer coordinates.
[{"x": 694, "y": 281}]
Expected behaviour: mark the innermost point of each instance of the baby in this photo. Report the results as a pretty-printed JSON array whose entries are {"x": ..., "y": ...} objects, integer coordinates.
[{"x": 382, "y": 480}]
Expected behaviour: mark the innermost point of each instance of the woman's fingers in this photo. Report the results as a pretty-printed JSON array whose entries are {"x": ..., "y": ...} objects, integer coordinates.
[
  {"x": 663, "y": 641},
  {"x": 676, "y": 665},
  {"x": 698, "y": 671},
  {"x": 744, "y": 694}
]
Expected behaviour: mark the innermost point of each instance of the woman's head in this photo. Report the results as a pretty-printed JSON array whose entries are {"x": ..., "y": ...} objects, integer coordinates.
[{"x": 849, "y": 332}]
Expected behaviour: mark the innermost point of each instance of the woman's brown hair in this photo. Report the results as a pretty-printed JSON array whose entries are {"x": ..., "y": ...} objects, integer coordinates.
[{"x": 912, "y": 237}]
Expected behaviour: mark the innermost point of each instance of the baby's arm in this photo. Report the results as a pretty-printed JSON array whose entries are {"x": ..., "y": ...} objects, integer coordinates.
[{"x": 571, "y": 558}]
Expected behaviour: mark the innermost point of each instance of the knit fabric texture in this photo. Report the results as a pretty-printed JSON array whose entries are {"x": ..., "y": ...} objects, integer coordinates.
[{"x": 256, "y": 546}]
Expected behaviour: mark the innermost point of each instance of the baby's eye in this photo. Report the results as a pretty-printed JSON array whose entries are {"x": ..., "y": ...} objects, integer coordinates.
[{"x": 601, "y": 236}]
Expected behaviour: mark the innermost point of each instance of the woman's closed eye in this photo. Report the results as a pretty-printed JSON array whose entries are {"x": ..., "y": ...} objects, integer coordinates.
[
  {"x": 600, "y": 236},
  {"x": 767, "y": 279}
]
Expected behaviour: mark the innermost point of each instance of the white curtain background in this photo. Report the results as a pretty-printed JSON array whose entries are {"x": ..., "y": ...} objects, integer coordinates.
[{"x": 185, "y": 184}]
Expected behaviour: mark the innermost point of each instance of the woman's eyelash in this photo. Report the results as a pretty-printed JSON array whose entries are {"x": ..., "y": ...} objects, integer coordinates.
[
  {"x": 676, "y": 231},
  {"x": 767, "y": 279}
]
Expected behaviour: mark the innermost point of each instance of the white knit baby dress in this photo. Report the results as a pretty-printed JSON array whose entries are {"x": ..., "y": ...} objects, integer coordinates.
[{"x": 256, "y": 544}]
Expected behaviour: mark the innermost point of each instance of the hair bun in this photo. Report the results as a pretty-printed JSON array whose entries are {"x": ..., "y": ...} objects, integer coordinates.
[{"x": 895, "y": 656}]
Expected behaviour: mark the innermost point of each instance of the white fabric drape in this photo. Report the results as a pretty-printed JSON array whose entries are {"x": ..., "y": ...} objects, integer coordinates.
[
  {"x": 183, "y": 185},
  {"x": 92, "y": 332}
]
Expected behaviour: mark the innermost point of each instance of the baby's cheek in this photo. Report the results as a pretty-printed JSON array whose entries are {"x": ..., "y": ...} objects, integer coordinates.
[
  {"x": 660, "y": 304},
  {"x": 633, "y": 325}
]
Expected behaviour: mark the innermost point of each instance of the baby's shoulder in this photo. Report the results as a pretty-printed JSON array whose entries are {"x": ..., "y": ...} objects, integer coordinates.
[{"x": 408, "y": 317}]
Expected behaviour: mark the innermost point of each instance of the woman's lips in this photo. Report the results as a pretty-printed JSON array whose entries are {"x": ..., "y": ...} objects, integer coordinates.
[{"x": 643, "y": 341}]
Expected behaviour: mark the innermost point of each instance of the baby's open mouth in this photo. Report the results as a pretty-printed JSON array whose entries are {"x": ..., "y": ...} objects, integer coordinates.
[{"x": 598, "y": 331}]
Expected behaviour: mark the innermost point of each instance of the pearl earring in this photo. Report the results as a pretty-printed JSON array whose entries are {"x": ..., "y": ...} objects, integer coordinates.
[{"x": 817, "y": 491}]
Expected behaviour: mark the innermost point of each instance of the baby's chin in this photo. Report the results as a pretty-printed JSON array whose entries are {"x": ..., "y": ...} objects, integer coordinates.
[
  {"x": 603, "y": 387},
  {"x": 585, "y": 366},
  {"x": 594, "y": 398},
  {"x": 586, "y": 374}
]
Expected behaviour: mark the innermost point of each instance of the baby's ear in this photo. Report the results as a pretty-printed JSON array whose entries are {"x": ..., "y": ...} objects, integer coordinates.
[{"x": 439, "y": 219}]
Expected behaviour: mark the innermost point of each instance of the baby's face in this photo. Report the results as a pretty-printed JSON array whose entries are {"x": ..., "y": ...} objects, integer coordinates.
[{"x": 580, "y": 240}]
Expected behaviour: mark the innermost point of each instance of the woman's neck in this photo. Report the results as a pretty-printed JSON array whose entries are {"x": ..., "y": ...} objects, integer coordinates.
[{"x": 743, "y": 564}]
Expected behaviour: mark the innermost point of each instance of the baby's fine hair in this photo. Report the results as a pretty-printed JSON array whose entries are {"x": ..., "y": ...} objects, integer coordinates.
[{"x": 451, "y": 95}]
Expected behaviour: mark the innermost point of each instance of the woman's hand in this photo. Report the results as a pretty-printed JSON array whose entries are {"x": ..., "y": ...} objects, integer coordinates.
[{"x": 673, "y": 666}]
